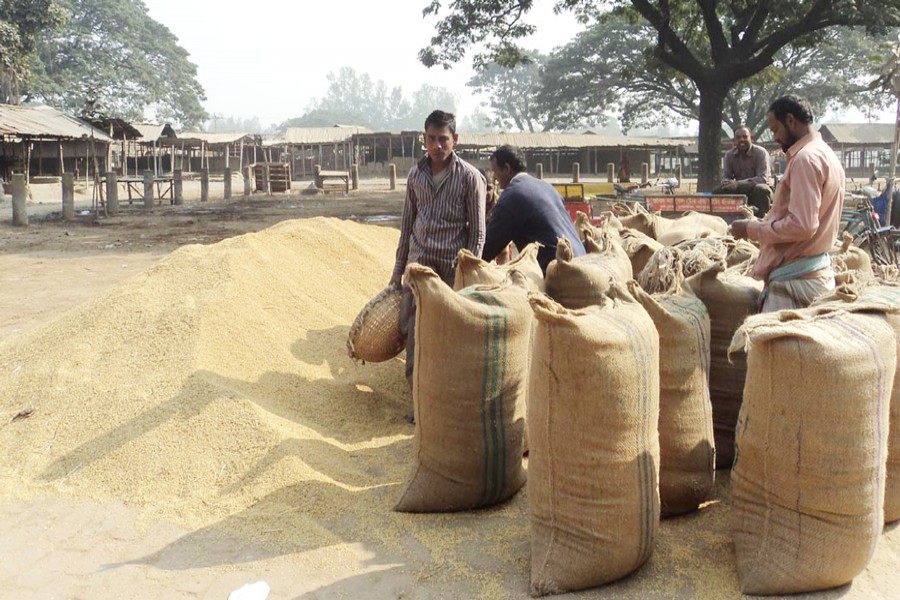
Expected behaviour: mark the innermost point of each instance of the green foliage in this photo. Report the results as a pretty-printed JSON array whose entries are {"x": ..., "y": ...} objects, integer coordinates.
[
  {"x": 713, "y": 44},
  {"x": 113, "y": 55},
  {"x": 20, "y": 22},
  {"x": 355, "y": 99},
  {"x": 611, "y": 66},
  {"x": 513, "y": 94}
]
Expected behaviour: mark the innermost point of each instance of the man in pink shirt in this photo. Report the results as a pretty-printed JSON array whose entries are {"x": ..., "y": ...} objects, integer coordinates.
[{"x": 801, "y": 228}]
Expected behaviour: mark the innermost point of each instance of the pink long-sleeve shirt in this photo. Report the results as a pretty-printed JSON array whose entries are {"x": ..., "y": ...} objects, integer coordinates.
[{"x": 806, "y": 214}]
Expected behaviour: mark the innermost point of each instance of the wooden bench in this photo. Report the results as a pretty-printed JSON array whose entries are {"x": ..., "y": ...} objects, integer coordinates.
[{"x": 323, "y": 176}]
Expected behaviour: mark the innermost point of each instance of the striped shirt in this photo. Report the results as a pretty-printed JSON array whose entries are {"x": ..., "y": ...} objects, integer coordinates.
[{"x": 439, "y": 221}]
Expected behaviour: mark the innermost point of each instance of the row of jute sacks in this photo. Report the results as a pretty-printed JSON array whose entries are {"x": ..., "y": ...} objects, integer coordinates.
[{"x": 618, "y": 429}]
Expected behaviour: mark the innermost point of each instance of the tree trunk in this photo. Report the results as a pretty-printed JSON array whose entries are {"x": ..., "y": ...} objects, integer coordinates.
[{"x": 712, "y": 103}]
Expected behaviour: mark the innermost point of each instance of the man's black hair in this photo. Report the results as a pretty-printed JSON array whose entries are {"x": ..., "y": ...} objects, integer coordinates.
[
  {"x": 441, "y": 119},
  {"x": 512, "y": 156},
  {"x": 793, "y": 105}
]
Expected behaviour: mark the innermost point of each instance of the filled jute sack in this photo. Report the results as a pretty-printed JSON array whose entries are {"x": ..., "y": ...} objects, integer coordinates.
[
  {"x": 691, "y": 226},
  {"x": 686, "y": 441},
  {"x": 729, "y": 297},
  {"x": 471, "y": 270},
  {"x": 585, "y": 229},
  {"x": 375, "y": 334},
  {"x": 594, "y": 457},
  {"x": 663, "y": 273},
  {"x": 469, "y": 381},
  {"x": 639, "y": 247},
  {"x": 808, "y": 481},
  {"x": 850, "y": 263},
  {"x": 701, "y": 254},
  {"x": 576, "y": 282},
  {"x": 740, "y": 251},
  {"x": 873, "y": 296}
]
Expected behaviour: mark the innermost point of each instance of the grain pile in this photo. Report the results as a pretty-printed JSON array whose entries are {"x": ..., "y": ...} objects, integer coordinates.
[{"x": 214, "y": 392}]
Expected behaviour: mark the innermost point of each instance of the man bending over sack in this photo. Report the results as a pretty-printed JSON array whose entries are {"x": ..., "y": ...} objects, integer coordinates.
[
  {"x": 796, "y": 235},
  {"x": 529, "y": 210},
  {"x": 443, "y": 213}
]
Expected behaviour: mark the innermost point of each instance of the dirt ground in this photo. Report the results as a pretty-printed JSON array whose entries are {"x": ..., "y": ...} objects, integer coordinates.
[{"x": 60, "y": 549}]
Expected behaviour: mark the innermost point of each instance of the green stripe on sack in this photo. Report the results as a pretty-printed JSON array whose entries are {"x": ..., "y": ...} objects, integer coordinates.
[
  {"x": 640, "y": 350},
  {"x": 492, "y": 397}
]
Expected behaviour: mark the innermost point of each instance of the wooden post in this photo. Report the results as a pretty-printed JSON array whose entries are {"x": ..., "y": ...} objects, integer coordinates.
[
  {"x": 19, "y": 199},
  {"x": 227, "y": 156},
  {"x": 112, "y": 193},
  {"x": 678, "y": 174},
  {"x": 204, "y": 185},
  {"x": 148, "y": 189},
  {"x": 246, "y": 172},
  {"x": 539, "y": 170},
  {"x": 68, "y": 196},
  {"x": 62, "y": 163},
  {"x": 610, "y": 172},
  {"x": 228, "y": 183},
  {"x": 392, "y": 174},
  {"x": 178, "y": 187},
  {"x": 28, "y": 168},
  {"x": 267, "y": 179},
  {"x": 645, "y": 172},
  {"x": 354, "y": 176},
  {"x": 316, "y": 179},
  {"x": 576, "y": 172}
]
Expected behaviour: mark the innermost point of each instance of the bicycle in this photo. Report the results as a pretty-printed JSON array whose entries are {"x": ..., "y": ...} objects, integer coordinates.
[{"x": 863, "y": 225}]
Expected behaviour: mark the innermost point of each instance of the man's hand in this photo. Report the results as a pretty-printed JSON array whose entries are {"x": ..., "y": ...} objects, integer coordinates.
[
  {"x": 739, "y": 229},
  {"x": 729, "y": 184},
  {"x": 395, "y": 280}
]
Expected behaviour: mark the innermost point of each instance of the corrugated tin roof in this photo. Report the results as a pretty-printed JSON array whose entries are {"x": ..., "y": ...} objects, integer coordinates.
[
  {"x": 320, "y": 135},
  {"x": 563, "y": 140},
  {"x": 44, "y": 122},
  {"x": 154, "y": 131},
  {"x": 858, "y": 133},
  {"x": 213, "y": 138}
]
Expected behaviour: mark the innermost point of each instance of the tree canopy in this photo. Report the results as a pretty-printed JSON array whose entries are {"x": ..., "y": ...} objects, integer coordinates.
[
  {"x": 513, "y": 94},
  {"x": 112, "y": 54},
  {"x": 355, "y": 99},
  {"x": 712, "y": 44},
  {"x": 20, "y": 23},
  {"x": 611, "y": 65}
]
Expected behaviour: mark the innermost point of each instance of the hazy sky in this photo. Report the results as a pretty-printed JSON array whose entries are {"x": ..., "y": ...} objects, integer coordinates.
[{"x": 269, "y": 59}]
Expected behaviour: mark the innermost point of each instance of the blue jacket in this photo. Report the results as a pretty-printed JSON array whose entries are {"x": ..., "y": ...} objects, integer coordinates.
[{"x": 530, "y": 210}]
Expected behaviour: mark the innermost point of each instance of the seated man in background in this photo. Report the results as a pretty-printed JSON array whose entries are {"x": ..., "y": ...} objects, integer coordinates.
[
  {"x": 529, "y": 210},
  {"x": 748, "y": 171}
]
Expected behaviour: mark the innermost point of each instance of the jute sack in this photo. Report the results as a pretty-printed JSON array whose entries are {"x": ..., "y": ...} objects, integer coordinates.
[
  {"x": 686, "y": 443},
  {"x": 878, "y": 297},
  {"x": 471, "y": 270},
  {"x": 808, "y": 481},
  {"x": 471, "y": 369},
  {"x": 639, "y": 248},
  {"x": 730, "y": 298},
  {"x": 594, "y": 457},
  {"x": 850, "y": 263},
  {"x": 740, "y": 251},
  {"x": 576, "y": 282},
  {"x": 375, "y": 334},
  {"x": 691, "y": 226}
]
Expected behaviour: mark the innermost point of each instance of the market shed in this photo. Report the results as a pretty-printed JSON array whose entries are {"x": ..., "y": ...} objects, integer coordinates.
[
  {"x": 332, "y": 148},
  {"x": 558, "y": 151},
  {"x": 42, "y": 141},
  {"x": 216, "y": 150},
  {"x": 861, "y": 147}
]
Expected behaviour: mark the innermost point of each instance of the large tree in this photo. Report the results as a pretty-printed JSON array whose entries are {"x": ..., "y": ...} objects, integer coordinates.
[
  {"x": 112, "y": 54},
  {"x": 20, "y": 23},
  {"x": 611, "y": 64},
  {"x": 713, "y": 43},
  {"x": 356, "y": 99},
  {"x": 513, "y": 94}
]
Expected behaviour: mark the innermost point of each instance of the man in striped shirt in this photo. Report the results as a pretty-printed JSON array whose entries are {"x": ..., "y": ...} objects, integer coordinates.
[{"x": 443, "y": 213}]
